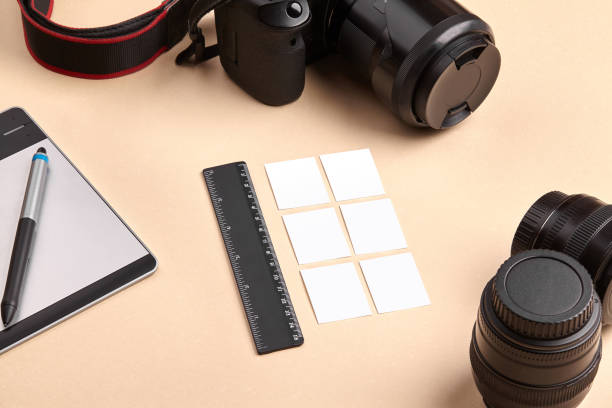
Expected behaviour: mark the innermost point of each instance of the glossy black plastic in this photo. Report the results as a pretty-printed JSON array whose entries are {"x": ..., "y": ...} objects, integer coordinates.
[{"x": 431, "y": 62}]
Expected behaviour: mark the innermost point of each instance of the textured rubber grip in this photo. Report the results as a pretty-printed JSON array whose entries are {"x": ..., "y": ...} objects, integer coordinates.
[
  {"x": 533, "y": 221},
  {"x": 587, "y": 231},
  {"x": 492, "y": 384}
]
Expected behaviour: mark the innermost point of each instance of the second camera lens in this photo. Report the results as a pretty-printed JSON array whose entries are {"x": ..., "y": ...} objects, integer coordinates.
[{"x": 578, "y": 225}]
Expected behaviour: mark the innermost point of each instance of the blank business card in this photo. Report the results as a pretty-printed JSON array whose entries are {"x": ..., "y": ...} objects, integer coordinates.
[
  {"x": 352, "y": 174},
  {"x": 297, "y": 183},
  {"x": 335, "y": 292},
  {"x": 395, "y": 283},
  {"x": 316, "y": 236},
  {"x": 373, "y": 226}
]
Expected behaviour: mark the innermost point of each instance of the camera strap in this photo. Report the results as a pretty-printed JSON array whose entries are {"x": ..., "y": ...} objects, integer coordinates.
[
  {"x": 115, "y": 50},
  {"x": 198, "y": 51}
]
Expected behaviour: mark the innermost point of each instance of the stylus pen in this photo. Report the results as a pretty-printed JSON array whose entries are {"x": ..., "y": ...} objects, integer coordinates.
[{"x": 20, "y": 258}]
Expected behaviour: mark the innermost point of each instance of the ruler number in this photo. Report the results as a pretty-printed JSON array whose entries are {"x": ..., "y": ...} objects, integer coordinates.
[{"x": 226, "y": 178}]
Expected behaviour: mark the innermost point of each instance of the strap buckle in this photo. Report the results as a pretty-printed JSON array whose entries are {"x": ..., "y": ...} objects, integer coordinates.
[{"x": 197, "y": 52}]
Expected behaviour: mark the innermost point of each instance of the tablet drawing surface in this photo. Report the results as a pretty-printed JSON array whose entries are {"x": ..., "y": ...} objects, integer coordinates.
[{"x": 79, "y": 242}]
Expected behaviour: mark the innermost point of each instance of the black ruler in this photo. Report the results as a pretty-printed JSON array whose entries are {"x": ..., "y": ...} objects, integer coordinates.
[{"x": 260, "y": 282}]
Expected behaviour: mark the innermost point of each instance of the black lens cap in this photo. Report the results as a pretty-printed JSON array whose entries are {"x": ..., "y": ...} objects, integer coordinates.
[
  {"x": 543, "y": 294},
  {"x": 457, "y": 81}
]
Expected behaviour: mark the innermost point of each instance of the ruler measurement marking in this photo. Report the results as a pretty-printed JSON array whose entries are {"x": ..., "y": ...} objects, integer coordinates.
[
  {"x": 269, "y": 249},
  {"x": 261, "y": 334},
  {"x": 216, "y": 200}
]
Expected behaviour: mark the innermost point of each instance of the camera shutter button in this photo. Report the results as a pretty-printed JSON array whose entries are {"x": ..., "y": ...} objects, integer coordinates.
[{"x": 294, "y": 9}]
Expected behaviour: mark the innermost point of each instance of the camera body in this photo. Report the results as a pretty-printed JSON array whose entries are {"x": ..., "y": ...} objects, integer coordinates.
[
  {"x": 262, "y": 47},
  {"x": 430, "y": 61}
]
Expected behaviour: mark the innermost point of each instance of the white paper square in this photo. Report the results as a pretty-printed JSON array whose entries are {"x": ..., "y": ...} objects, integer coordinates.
[
  {"x": 395, "y": 283},
  {"x": 373, "y": 226},
  {"x": 297, "y": 183},
  {"x": 352, "y": 174},
  {"x": 316, "y": 236},
  {"x": 335, "y": 292}
]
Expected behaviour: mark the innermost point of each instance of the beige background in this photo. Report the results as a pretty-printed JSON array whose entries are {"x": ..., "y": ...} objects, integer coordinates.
[{"x": 143, "y": 140}]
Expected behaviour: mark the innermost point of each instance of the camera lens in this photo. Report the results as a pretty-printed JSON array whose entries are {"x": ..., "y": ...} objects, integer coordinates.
[
  {"x": 431, "y": 62},
  {"x": 578, "y": 225},
  {"x": 537, "y": 338}
]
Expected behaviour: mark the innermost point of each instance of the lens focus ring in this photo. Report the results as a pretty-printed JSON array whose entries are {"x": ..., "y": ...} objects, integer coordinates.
[
  {"x": 490, "y": 383},
  {"x": 587, "y": 230},
  {"x": 531, "y": 224},
  {"x": 530, "y": 357},
  {"x": 571, "y": 209}
]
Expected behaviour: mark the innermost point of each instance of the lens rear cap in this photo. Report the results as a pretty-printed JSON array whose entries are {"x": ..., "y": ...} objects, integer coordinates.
[
  {"x": 543, "y": 294},
  {"x": 457, "y": 81}
]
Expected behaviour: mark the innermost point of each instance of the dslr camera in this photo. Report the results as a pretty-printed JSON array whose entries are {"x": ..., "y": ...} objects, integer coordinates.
[{"x": 430, "y": 61}]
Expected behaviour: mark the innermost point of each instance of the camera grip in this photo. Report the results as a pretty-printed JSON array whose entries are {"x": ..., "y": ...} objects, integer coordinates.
[{"x": 267, "y": 61}]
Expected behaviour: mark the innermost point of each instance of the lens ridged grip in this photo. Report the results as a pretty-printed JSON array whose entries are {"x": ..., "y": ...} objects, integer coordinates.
[
  {"x": 531, "y": 224},
  {"x": 492, "y": 384},
  {"x": 539, "y": 330},
  {"x": 538, "y": 324},
  {"x": 587, "y": 230},
  {"x": 571, "y": 209},
  {"x": 533, "y": 357}
]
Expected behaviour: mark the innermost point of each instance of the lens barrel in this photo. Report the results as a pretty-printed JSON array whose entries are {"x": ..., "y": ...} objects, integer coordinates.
[
  {"x": 537, "y": 338},
  {"x": 578, "y": 225},
  {"x": 431, "y": 62}
]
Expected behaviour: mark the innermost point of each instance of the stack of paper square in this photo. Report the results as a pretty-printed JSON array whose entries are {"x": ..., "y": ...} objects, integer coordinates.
[{"x": 335, "y": 291}]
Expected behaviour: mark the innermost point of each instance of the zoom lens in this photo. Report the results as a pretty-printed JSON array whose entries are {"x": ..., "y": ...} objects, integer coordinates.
[
  {"x": 578, "y": 225},
  {"x": 431, "y": 62},
  {"x": 537, "y": 338}
]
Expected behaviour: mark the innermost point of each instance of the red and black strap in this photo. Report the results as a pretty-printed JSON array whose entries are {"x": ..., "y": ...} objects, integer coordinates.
[{"x": 103, "y": 52}]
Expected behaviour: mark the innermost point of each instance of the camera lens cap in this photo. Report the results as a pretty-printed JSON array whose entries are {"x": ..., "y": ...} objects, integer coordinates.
[
  {"x": 457, "y": 81},
  {"x": 543, "y": 294}
]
